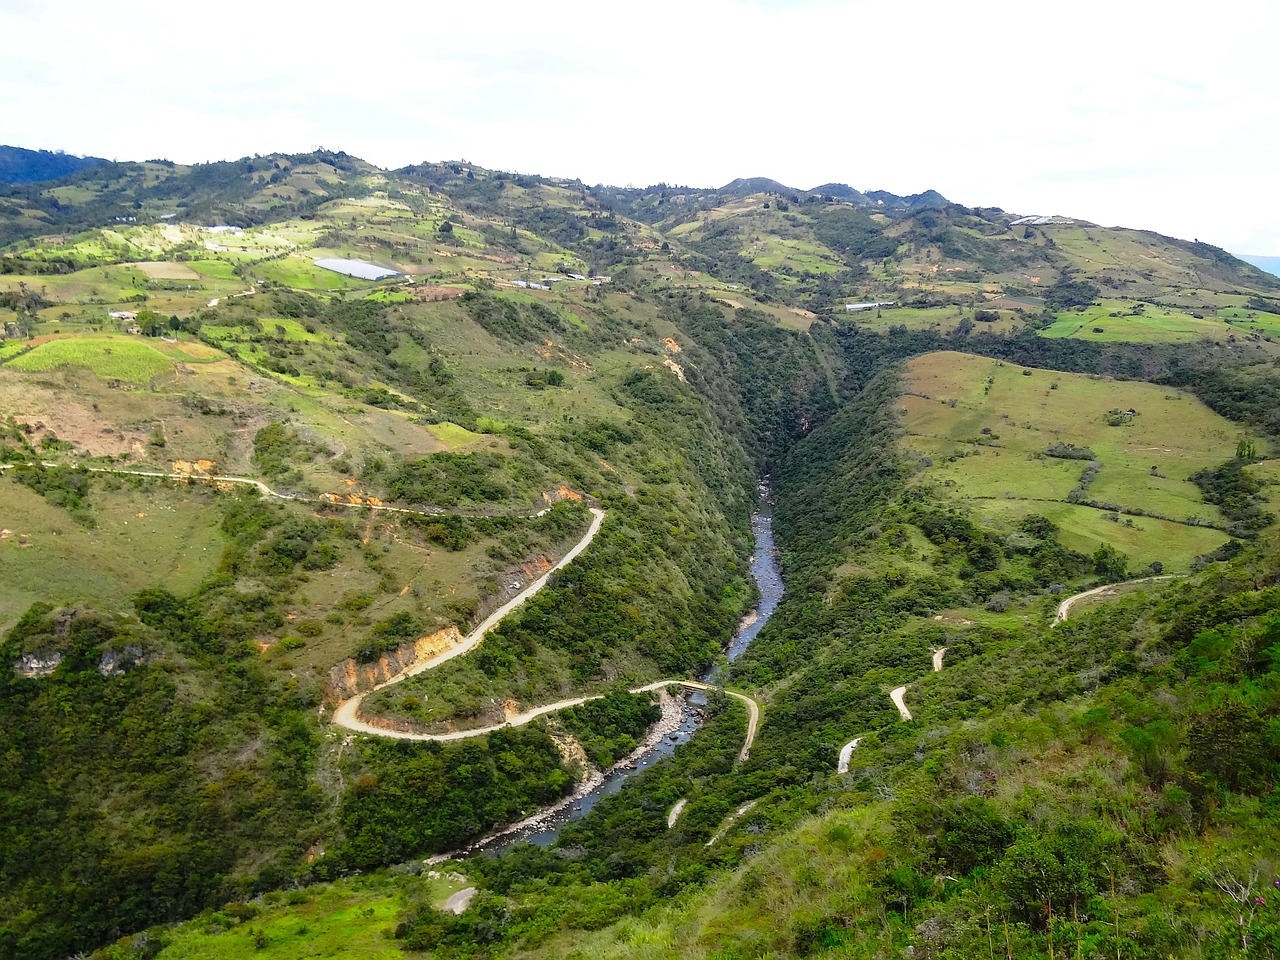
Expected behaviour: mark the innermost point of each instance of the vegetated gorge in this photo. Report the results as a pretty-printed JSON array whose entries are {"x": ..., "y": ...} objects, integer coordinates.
[{"x": 390, "y": 610}]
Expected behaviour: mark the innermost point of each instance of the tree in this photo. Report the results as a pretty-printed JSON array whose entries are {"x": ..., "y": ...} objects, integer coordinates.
[
  {"x": 1245, "y": 450},
  {"x": 1229, "y": 741},
  {"x": 151, "y": 323},
  {"x": 1109, "y": 563}
]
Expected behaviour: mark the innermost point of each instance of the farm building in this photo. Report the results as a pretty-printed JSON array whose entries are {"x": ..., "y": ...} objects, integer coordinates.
[{"x": 860, "y": 307}]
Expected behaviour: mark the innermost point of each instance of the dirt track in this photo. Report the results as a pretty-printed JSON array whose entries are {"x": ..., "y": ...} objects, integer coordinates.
[
  {"x": 846, "y": 754},
  {"x": 459, "y": 901},
  {"x": 896, "y": 696},
  {"x": 267, "y": 491},
  {"x": 674, "y": 813},
  {"x": 347, "y": 713},
  {"x": 1064, "y": 608}
]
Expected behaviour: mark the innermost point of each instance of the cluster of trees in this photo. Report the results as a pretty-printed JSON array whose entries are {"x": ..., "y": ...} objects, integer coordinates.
[
  {"x": 1239, "y": 495},
  {"x": 279, "y": 450},
  {"x": 61, "y": 486},
  {"x": 450, "y": 479},
  {"x": 1069, "y": 292}
]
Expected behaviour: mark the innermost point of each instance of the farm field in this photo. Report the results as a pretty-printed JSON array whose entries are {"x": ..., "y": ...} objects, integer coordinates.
[
  {"x": 107, "y": 357},
  {"x": 942, "y": 319},
  {"x": 1152, "y": 325},
  {"x": 980, "y": 429}
]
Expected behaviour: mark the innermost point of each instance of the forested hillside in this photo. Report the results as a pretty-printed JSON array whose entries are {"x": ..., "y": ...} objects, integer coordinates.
[
  {"x": 474, "y": 455},
  {"x": 18, "y": 165}
]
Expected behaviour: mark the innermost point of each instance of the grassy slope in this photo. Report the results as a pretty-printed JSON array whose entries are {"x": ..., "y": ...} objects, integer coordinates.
[
  {"x": 144, "y": 535},
  {"x": 352, "y": 918},
  {"x": 1004, "y": 475}
]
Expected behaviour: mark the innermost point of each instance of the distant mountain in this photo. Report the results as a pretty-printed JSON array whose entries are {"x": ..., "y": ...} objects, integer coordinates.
[
  {"x": 1269, "y": 264},
  {"x": 917, "y": 201},
  {"x": 19, "y": 165},
  {"x": 743, "y": 187},
  {"x": 841, "y": 191}
]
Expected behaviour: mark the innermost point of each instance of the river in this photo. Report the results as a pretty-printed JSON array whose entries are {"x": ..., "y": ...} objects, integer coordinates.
[{"x": 764, "y": 570}]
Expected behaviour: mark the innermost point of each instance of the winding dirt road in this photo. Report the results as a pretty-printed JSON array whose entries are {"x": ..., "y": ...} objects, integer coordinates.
[
  {"x": 347, "y": 712},
  {"x": 268, "y": 492},
  {"x": 1064, "y": 608},
  {"x": 846, "y": 754},
  {"x": 674, "y": 813},
  {"x": 896, "y": 696}
]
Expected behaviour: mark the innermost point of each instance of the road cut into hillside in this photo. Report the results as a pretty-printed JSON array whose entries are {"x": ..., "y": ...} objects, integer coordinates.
[
  {"x": 896, "y": 696},
  {"x": 1064, "y": 608},
  {"x": 846, "y": 754},
  {"x": 347, "y": 713},
  {"x": 266, "y": 491}
]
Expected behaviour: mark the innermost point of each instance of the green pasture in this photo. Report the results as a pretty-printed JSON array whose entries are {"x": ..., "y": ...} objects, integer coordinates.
[
  {"x": 1143, "y": 539},
  {"x": 214, "y": 269},
  {"x": 979, "y": 429},
  {"x": 1244, "y": 321},
  {"x": 391, "y": 296},
  {"x": 1268, "y": 472},
  {"x": 1152, "y": 325},
  {"x": 153, "y": 533},
  {"x": 802, "y": 256},
  {"x": 107, "y": 357},
  {"x": 453, "y": 436}
]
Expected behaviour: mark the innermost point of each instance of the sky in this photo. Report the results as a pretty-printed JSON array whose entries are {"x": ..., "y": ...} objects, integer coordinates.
[{"x": 1159, "y": 115}]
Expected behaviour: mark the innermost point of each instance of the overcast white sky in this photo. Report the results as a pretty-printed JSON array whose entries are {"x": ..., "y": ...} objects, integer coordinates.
[{"x": 1164, "y": 115}]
